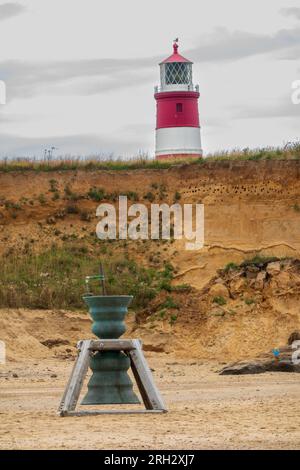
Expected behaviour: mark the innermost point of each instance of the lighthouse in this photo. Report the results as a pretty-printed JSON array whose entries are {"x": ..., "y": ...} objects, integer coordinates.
[{"x": 177, "y": 133}]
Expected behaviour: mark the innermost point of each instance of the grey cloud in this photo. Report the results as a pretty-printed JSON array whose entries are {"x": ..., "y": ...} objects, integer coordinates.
[
  {"x": 25, "y": 79},
  {"x": 94, "y": 76},
  {"x": 291, "y": 11},
  {"x": 224, "y": 45},
  {"x": 283, "y": 109},
  {"x": 77, "y": 145},
  {"x": 8, "y": 10}
]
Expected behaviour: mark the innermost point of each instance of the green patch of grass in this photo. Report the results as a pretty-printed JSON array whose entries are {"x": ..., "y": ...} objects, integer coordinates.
[
  {"x": 162, "y": 313},
  {"x": 182, "y": 288},
  {"x": 55, "y": 196},
  {"x": 219, "y": 299},
  {"x": 169, "y": 303},
  {"x": 249, "y": 301},
  {"x": 42, "y": 199},
  {"x": 177, "y": 196},
  {"x": 12, "y": 205},
  {"x": 259, "y": 260},
  {"x": 150, "y": 196},
  {"x": 96, "y": 194},
  {"x": 53, "y": 185},
  {"x": 55, "y": 278},
  {"x": 71, "y": 209},
  {"x": 131, "y": 195},
  {"x": 231, "y": 267}
]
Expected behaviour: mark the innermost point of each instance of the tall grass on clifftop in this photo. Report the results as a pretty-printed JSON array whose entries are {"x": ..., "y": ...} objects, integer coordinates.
[{"x": 290, "y": 151}]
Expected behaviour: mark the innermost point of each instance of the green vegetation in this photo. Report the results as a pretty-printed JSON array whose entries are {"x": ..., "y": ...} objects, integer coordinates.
[
  {"x": 71, "y": 209},
  {"x": 249, "y": 301},
  {"x": 96, "y": 194},
  {"x": 55, "y": 196},
  {"x": 162, "y": 313},
  {"x": 231, "y": 267},
  {"x": 177, "y": 196},
  {"x": 42, "y": 199},
  {"x": 99, "y": 194},
  {"x": 53, "y": 186},
  {"x": 219, "y": 300},
  {"x": 55, "y": 278},
  {"x": 259, "y": 260},
  {"x": 287, "y": 152},
  {"x": 149, "y": 196},
  {"x": 169, "y": 303},
  {"x": 296, "y": 207},
  {"x": 12, "y": 205}
]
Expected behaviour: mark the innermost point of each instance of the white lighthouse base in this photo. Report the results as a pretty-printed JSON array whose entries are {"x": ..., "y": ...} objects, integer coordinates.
[{"x": 172, "y": 142}]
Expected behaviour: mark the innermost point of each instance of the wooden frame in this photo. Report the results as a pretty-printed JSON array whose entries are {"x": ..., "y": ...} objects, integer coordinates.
[{"x": 132, "y": 347}]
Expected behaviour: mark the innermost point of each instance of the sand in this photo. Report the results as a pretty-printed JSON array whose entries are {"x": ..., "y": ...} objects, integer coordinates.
[{"x": 206, "y": 411}]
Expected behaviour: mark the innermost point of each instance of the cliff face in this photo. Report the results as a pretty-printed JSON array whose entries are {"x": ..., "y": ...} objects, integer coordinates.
[{"x": 250, "y": 207}]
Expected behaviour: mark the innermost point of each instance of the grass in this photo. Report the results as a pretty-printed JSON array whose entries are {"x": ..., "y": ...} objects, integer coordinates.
[
  {"x": 55, "y": 278},
  {"x": 219, "y": 300},
  {"x": 259, "y": 260},
  {"x": 169, "y": 303},
  {"x": 231, "y": 267},
  {"x": 290, "y": 151}
]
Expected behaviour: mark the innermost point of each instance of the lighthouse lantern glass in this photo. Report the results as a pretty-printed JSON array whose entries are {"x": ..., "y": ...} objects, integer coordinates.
[{"x": 176, "y": 73}]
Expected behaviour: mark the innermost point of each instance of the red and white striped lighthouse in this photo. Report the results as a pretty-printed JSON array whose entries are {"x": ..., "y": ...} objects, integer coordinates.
[{"x": 177, "y": 117}]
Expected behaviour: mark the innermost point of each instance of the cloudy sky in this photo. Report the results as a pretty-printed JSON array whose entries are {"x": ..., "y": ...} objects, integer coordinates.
[{"x": 80, "y": 73}]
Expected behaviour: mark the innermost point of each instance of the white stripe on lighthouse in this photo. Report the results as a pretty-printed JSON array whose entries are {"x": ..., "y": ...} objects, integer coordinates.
[{"x": 178, "y": 140}]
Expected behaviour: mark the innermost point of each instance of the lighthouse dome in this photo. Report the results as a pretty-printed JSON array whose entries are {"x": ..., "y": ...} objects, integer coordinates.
[{"x": 176, "y": 72}]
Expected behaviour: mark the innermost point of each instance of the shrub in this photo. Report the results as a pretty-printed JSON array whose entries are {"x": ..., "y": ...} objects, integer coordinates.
[
  {"x": 12, "y": 205},
  {"x": 149, "y": 196},
  {"x": 231, "y": 267},
  {"x": 70, "y": 209},
  {"x": 96, "y": 194},
  {"x": 55, "y": 196},
  {"x": 169, "y": 303},
  {"x": 219, "y": 300},
  {"x": 42, "y": 200},
  {"x": 177, "y": 196},
  {"x": 53, "y": 186}
]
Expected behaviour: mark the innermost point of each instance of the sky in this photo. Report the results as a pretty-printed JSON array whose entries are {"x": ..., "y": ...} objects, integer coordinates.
[{"x": 80, "y": 74}]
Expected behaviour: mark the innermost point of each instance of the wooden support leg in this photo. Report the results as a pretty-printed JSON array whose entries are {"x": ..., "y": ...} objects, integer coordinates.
[
  {"x": 74, "y": 386},
  {"x": 149, "y": 392},
  {"x": 144, "y": 379}
]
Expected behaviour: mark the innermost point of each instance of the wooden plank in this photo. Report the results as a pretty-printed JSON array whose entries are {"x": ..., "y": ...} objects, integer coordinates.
[
  {"x": 62, "y": 401},
  {"x": 110, "y": 412},
  {"x": 112, "y": 345},
  {"x": 150, "y": 394},
  {"x": 74, "y": 386}
]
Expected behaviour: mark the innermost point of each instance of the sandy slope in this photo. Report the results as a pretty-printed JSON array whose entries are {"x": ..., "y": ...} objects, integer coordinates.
[{"x": 206, "y": 411}]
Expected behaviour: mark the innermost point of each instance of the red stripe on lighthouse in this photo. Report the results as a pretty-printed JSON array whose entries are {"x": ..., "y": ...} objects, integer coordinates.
[{"x": 177, "y": 109}]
